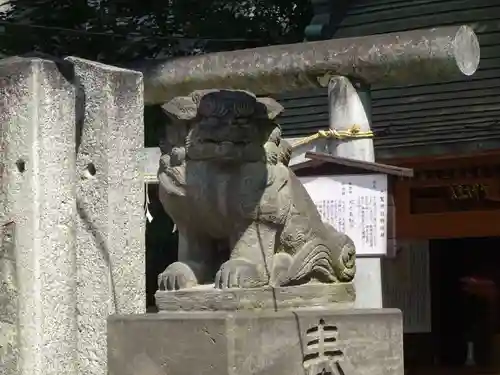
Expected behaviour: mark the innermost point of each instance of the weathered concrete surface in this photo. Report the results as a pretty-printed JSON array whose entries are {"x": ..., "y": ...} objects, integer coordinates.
[
  {"x": 110, "y": 198},
  {"x": 350, "y": 104},
  {"x": 206, "y": 298},
  {"x": 8, "y": 300},
  {"x": 37, "y": 130},
  {"x": 302, "y": 342}
]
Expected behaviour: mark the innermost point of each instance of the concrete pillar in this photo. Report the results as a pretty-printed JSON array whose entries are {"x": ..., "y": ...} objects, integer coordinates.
[
  {"x": 38, "y": 211},
  {"x": 349, "y": 104},
  {"x": 110, "y": 203}
]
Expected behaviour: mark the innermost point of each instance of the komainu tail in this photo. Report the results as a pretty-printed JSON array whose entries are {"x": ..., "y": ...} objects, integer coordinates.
[{"x": 317, "y": 262}]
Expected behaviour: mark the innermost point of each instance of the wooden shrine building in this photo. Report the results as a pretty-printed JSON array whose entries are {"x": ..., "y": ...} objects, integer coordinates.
[{"x": 448, "y": 214}]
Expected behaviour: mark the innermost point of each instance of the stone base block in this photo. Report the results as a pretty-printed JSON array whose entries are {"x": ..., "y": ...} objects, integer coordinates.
[
  {"x": 303, "y": 342},
  {"x": 206, "y": 297}
]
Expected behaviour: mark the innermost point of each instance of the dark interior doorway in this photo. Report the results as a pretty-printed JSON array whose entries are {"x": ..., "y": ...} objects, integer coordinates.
[
  {"x": 465, "y": 280},
  {"x": 161, "y": 245}
]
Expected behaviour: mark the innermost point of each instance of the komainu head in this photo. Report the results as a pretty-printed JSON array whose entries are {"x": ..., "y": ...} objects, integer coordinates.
[{"x": 226, "y": 125}]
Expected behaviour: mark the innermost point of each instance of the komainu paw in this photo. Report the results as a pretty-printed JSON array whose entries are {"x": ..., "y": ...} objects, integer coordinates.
[
  {"x": 240, "y": 273},
  {"x": 177, "y": 276}
]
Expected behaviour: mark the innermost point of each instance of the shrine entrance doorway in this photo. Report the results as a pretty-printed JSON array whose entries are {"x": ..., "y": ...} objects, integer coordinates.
[
  {"x": 453, "y": 205},
  {"x": 464, "y": 301}
]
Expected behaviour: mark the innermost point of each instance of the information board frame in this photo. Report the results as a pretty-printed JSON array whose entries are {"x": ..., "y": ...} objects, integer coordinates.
[{"x": 356, "y": 204}]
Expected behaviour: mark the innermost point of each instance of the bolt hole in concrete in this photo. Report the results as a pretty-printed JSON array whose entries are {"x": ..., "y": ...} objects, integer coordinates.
[
  {"x": 90, "y": 171},
  {"x": 21, "y": 165}
]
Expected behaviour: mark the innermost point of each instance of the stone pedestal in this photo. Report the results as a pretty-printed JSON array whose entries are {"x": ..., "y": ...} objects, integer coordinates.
[
  {"x": 110, "y": 230},
  {"x": 71, "y": 211},
  {"x": 38, "y": 316},
  {"x": 302, "y": 342},
  {"x": 206, "y": 298}
]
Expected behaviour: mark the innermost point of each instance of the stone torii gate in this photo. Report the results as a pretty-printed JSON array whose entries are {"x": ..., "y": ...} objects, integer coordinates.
[
  {"x": 71, "y": 192},
  {"x": 396, "y": 59},
  {"x": 347, "y": 67}
]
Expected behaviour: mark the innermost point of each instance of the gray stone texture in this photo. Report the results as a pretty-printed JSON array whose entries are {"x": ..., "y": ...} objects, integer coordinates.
[
  {"x": 37, "y": 213},
  {"x": 303, "y": 342},
  {"x": 110, "y": 198},
  {"x": 244, "y": 218},
  {"x": 207, "y": 298},
  {"x": 8, "y": 300},
  {"x": 400, "y": 58}
]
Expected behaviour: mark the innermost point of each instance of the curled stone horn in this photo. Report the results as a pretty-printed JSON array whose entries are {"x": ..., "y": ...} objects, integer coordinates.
[
  {"x": 271, "y": 108},
  {"x": 220, "y": 103},
  {"x": 182, "y": 108}
]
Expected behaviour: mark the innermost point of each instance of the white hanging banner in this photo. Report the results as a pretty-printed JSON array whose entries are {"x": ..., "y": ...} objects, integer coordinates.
[{"x": 355, "y": 205}]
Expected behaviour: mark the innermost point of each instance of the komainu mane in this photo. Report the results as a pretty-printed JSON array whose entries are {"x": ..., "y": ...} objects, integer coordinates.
[{"x": 244, "y": 218}]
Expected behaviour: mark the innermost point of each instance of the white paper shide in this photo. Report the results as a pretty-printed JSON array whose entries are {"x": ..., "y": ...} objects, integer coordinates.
[{"x": 355, "y": 205}]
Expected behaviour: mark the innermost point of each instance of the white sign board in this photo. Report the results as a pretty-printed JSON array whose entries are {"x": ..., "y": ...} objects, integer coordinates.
[{"x": 355, "y": 205}]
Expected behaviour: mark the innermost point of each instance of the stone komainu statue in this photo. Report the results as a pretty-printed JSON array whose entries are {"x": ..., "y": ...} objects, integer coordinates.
[{"x": 244, "y": 218}]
